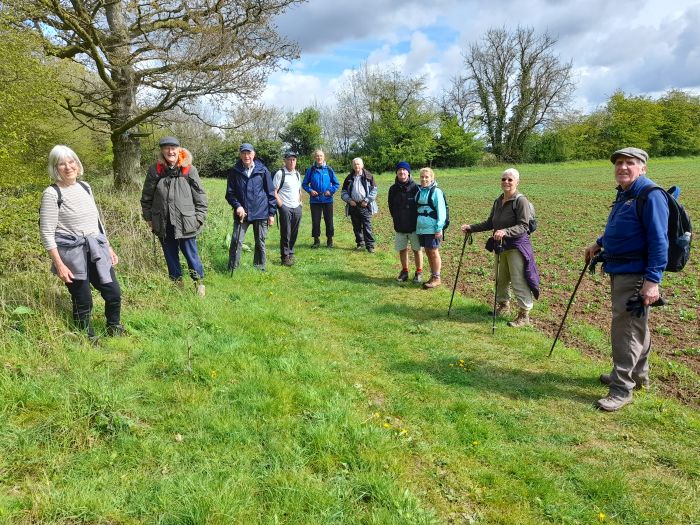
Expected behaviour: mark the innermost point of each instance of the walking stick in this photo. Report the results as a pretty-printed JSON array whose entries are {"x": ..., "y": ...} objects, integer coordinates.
[
  {"x": 155, "y": 259},
  {"x": 236, "y": 240},
  {"x": 498, "y": 251},
  {"x": 580, "y": 277},
  {"x": 467, "y": 239}
]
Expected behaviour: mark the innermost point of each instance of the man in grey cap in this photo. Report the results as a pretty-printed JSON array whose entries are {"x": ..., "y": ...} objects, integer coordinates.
[
  {"x": 287, "y": 184},
  {"x": 634, "y": 252},
  {"x": 250, "y": 193}
]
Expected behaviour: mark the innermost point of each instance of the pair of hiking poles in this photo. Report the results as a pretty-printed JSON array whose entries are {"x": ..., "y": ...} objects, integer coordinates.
[{"x": 468, "y": 239}]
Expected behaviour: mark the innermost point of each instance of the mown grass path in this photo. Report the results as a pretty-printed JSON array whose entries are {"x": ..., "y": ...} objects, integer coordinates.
[{"x": 327, "y": 393}]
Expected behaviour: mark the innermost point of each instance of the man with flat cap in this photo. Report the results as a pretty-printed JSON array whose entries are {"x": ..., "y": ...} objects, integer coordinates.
[
  {"x": 634, "y": 252},
  {"x": 250, "y": 193}
]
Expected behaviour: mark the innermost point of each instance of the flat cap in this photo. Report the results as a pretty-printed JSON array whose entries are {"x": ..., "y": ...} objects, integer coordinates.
[
  {"x": 635, "y": 153},
  {"x": 290, "y": 153},
  {"x": 169, "y": 141},
  {"x": 246, "y": 147}
]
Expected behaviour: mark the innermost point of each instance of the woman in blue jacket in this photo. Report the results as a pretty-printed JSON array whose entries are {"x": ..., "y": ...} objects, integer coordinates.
[
  {"x": 321, "y": 183},
  {"x": 432, "y": 214}
]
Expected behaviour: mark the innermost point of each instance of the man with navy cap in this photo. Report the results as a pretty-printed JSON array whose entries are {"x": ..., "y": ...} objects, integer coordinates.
[
  {"x": 634, "y": 252},
  {"x": 250, "y": 193}
]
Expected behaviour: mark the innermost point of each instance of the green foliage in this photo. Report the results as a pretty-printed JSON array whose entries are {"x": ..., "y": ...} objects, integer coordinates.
[
  {"x": 680, "y": 124},
  {"x": 456, "y": 147},
  {"x": 303, "y": 132},
  {"x": 401, "y": 132},
  {"x": 631, "y": 121}
]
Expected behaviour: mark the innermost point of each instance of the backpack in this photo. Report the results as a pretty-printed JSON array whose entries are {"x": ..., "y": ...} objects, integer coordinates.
[
  {"x": 433, "y": 213},
  {"x": 59, "y": 200},
  {"x": 532, "y": 223},
  {"x": 284, "y": 175},
  {"x": 680, "y": 229}
]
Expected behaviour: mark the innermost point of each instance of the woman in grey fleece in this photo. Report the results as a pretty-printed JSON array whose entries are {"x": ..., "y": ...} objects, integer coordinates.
[{"x": 73, "y": 235}]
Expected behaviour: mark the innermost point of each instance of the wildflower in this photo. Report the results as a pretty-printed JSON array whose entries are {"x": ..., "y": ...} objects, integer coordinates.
[
  {"x": 214, "y": 373},
  {"x": 475, "y": 442},
  {"x": 178, "y": 438},
  {"x": 387, "y": 425},
  {"x": 601, "y": 517},
  {"x": 403, "y": 431}
]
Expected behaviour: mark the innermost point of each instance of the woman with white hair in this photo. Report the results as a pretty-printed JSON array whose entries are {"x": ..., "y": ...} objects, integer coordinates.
[
  {"x": 74, "y": 236},
  {"x": 510, "y": 221}
]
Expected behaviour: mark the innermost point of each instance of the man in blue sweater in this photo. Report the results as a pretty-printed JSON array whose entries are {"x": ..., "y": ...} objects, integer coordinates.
[
  {"x": 634, "y": 251},
  {"x": 250, "y": 193}
]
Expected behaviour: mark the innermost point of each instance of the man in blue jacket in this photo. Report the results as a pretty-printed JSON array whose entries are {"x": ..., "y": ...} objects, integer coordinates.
[
  {"x": 634, "y": 252},
  {"x": 321, "y": 183},
  {"x": 250, "y": 193}
]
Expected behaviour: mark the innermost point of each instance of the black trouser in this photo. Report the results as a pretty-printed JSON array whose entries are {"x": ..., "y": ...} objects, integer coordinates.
[
  {"x": 317, "y": 209},
  {"x": 290, "y": 218},
  {"x": 82, "y": 299},
  {"x": 361, "y": 217},
  {"x": 260, "y": 228}
]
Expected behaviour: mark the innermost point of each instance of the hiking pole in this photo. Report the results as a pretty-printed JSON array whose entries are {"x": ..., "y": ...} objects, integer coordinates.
[
  {"x": 580, "y": 277},
  {"x": 498, "y": 250},
  {"x": 155, "y": 259},
  {"x": 467, "y": 239},
  {"x": 237, "y": 240}
]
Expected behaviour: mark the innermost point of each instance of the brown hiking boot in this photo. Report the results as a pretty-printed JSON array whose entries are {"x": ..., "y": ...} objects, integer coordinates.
[
  {"x": 288, "y": 260},
  {"x": 613, "y": 402},
  {"x": 523, "y": 319},
  {"x": 433, "y": 282},
  {"x": 641, "y": 382},
  {"x": 502, "y": 308}
]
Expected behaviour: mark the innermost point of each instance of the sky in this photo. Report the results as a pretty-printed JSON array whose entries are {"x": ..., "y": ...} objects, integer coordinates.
[{"x": 638, "y": 46}]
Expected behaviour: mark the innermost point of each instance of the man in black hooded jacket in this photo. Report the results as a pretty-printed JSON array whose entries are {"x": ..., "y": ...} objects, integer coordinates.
[{"x": 404, "y": 213}]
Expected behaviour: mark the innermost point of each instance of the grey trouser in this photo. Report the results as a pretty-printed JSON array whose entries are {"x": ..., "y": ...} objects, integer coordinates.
[
  {"x": 629, "y": 334},
  {"x": 290, "y": 218},
  {"x": 511, "y": 274},
  {"x": 239, "y": 230}
]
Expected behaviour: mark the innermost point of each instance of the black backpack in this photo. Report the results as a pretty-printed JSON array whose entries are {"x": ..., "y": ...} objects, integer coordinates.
[
  {"x": 680, "y": 229},
  {"x": 433, "y": 213}
]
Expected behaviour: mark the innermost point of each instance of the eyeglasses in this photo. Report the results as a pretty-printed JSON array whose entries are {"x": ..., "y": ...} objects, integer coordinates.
[{"x": 505, "y": 179}]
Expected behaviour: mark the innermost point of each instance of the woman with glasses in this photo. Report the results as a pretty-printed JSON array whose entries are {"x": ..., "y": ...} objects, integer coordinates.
[{"x": 510, "y": 220}]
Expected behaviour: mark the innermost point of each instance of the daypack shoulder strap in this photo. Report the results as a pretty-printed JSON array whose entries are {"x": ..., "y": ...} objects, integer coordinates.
[
  {"x": 643, "y": 196},
  {"x": 57, "y": 188}
]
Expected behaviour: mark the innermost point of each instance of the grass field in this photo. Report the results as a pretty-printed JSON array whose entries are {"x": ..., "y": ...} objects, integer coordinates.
[{"x": 329, "y": 394}]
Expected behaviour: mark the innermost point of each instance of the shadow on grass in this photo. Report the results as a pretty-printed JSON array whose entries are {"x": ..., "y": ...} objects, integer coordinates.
[
  {"x": 472, "y": 313},
  {"x": 359, "y": 278},
  {"x": 513, "y": 383}
]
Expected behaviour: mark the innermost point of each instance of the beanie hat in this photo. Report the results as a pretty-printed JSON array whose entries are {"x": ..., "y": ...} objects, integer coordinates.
[{"x": 403, "y": 164}]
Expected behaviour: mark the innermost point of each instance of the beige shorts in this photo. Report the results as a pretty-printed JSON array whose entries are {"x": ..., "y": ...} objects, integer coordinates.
[{"x": 402, "y": 240}]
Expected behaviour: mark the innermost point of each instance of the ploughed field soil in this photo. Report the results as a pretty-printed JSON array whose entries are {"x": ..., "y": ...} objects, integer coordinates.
[{"x": 572, "y": 202}]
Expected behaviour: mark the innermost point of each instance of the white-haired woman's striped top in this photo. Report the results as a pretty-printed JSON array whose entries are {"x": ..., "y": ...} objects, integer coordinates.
[{"x": 77, "y": 215}]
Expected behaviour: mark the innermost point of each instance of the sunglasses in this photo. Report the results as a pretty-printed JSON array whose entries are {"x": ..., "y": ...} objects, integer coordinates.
[{"x": 505, "y": 179}]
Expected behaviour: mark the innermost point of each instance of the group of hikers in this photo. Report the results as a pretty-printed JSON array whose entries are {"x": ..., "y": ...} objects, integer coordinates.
[{"x": 174, "y": 204}]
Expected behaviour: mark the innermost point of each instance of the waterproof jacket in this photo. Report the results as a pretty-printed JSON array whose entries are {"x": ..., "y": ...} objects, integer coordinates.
[
  {"x": 320, "y": 179},
  {"x": 175, "y": 195},
  {"x": 641, "y": 246},
  {"x": 514, "y": 222},
  {"x": 402, "y": 205},
  {"x": 369, "y": 185},
  {"x": 256, "y": 194},
  {"x": 426, "y": 223}
]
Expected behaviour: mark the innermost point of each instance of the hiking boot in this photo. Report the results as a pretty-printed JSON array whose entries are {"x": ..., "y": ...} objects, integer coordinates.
[
  {"x": 287, "y": 260},
  {"x": 329, "y": 242},
  {"x": 370, "y": 249},
  {"x": 641, "y": 382},
  {"x": 523, "y": 319},
  {"x": 199, "y": 289},
  {"x": 418, "y": 277},
  {"x": 433, "y": 282},
  {"x": 502, "y": 308},
  {"x": 614, "y": 401},
  {"x": 115, "y": 330},
  {"x": 179, "y": 283},
  {"x": 403, "y": 276},
  {"x": 317, "y": 243},
  {"x": 359, "y": 247}
]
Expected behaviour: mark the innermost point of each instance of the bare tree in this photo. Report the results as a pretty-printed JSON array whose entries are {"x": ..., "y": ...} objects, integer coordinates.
[
  {"x": 458, "y": 102},
  {"x": 148, "y": 57},
  {"x": 516, "y": 83}
]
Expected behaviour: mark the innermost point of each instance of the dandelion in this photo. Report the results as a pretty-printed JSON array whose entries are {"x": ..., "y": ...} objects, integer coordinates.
[
  {"x": 387, "y": 425},
  {"x": 214, "y": 373},
  {"x": 601, "y": 517},
  {"x": 403, "y": 432},
  {"x": 475, "y": 442}
]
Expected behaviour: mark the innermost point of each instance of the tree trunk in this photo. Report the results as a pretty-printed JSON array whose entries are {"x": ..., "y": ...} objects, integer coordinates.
[{"x": 127, "y": 161}]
